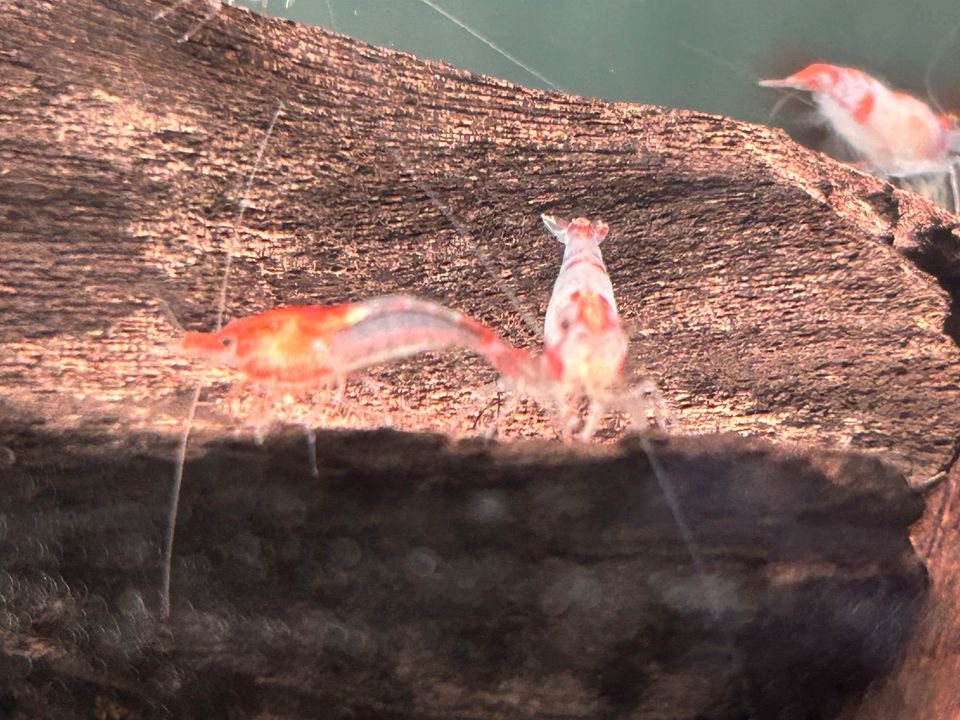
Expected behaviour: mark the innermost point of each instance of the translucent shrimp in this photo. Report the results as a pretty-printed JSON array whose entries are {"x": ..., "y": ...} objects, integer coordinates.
[
  {"x": 584, "y": 352},
  {"x": 303, "y": 346},
  {"x": 897, "y": 134},
  {"x": 584, "y": 345}
]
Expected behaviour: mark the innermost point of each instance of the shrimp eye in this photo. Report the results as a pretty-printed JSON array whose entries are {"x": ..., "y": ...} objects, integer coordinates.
[
  {"x": 226, "y": 341},
  {"x": 565, "y": 324}
]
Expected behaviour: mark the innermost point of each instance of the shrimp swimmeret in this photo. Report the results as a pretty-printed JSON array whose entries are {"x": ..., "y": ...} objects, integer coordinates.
[{"x": 897, "y": 134}]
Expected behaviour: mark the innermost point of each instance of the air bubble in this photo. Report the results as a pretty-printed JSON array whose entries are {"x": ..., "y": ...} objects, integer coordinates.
[
  {"x": 421, "y": 562},
  {"x": 344, "y": 552}
]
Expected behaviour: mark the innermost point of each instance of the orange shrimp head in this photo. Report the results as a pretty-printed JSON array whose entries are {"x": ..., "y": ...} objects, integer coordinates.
[
  {"x": 219, "y": 347},
  {"x": 288, "y": 345}
]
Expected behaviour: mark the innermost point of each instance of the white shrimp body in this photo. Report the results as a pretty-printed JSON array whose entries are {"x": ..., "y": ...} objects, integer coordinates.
[
  {"x": 896, "y": 133},
  {"x": 584, "y": 343}
]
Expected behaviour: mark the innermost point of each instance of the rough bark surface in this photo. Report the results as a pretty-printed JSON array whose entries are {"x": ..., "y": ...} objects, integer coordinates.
[
  {"x": 423, "y": 579},
  {"x": 767, "y": 290}
]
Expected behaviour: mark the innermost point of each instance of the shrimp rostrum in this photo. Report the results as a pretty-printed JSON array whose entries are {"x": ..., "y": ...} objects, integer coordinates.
[{"x": 585, "y": 346}]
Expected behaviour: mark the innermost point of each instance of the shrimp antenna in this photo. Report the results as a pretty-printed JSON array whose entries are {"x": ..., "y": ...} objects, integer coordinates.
[
  {"x": 680, "y": 520},
  {"x": 490, "y": 44},
  {"x": 333, "y": 20},
  {"x": 462, "y": 231},
  {"x": 741, "y": 72},
  {"x": 696, "y": 557},
  {"x": 241, "y": 209},
  {"x": 778, "y": 105},
  {"x": 195, "y": 398},
  {"x": 425, "y": 187},
  {"x": 170, "y": 315},
  {"x": 937, "y": 58}
]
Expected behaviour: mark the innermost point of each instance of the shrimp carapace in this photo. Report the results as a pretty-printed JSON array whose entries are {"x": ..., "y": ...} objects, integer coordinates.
[
  {"x": 306, "y": 344},
  {"x": 894, "y": 132}
]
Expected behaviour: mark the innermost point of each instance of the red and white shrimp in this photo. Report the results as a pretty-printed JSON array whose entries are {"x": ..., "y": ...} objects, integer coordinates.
[
  {"x": 584, "y": 345},
  {"x": 896, "y": 134},
  {"x": 303, "y": 346}
]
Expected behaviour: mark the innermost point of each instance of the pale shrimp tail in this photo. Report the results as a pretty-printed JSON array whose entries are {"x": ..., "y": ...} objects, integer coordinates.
[{"x": 399, "y": 326}]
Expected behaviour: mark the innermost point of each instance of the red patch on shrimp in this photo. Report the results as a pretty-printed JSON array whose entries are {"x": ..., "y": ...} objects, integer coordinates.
[
  {"x": 594, "y": 311},
  {"x": 864, "y": 107}
]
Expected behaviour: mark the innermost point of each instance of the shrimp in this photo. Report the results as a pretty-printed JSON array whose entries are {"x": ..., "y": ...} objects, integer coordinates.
[
  {"x": 897, "y": 134},
  {"x": 584, "y": 345},
  {"x": 307, "y": 345}
]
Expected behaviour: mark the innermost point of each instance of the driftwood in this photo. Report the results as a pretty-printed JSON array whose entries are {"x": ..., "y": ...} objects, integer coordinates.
[
  {"x": 767, "y": 290},
  {"x": 421, "y": 579}
]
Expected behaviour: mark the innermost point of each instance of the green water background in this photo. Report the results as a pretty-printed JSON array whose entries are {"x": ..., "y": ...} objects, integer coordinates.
[{"x": 698, "y": 54}]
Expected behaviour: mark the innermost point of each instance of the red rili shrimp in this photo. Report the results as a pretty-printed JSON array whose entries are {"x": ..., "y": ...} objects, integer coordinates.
[
  {"x": 895, "y": 133},
  {"x": 584, "y": 345},
  {"x": 308, "y": 345}
]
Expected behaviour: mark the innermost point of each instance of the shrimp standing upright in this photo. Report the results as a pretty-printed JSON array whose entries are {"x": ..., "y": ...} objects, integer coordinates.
[
  {"x": 584, "y": 346},
  {"x": 896, "y": 134}
]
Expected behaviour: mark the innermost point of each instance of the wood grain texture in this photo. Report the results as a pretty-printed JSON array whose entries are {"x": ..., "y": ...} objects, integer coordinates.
[{"x": 761, "y": 285}]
